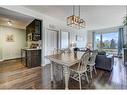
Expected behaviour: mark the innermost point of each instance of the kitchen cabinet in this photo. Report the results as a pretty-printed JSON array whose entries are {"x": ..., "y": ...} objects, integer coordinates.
[
  {"x": 32, "y": 57},
  {"x": 33, "y": 30}
]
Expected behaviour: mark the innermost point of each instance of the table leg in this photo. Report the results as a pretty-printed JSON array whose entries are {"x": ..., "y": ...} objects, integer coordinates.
[
  {"x": 51, "y": 71},
  {"x": 67, "y": 73}
]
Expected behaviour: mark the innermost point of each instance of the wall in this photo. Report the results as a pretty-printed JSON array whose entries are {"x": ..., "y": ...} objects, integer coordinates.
[
  {"x": 48, "y": 23},
  {"x": 64, "y": 40},
  {"x": 0, "y": 45},
  {"x": 12, "y": 50},
  {"x": 81, "y": 33}
]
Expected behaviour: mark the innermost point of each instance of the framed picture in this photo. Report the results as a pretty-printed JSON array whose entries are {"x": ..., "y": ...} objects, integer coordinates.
[{"x": 10, "y": 38}]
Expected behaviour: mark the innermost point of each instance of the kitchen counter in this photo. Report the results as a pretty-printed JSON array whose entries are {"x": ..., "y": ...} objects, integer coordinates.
[
  {"x": 31, "y": 49},
  {"x": 31, "y": 57}
]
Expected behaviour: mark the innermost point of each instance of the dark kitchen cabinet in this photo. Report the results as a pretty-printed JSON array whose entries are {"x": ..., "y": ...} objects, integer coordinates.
[
  {"x": 34, "y": 30},
  {"x": 32, "y": 58}
]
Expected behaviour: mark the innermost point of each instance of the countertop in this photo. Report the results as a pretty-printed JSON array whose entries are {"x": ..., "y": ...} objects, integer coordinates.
[{"x": 31, "y": 49}]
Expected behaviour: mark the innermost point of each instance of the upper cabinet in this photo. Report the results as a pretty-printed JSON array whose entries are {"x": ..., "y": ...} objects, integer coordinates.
[{"x": 33, "y": 30}]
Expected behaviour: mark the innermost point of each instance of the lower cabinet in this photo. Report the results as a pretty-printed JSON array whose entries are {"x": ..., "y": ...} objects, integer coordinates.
[{"x": 33, "y": 58}]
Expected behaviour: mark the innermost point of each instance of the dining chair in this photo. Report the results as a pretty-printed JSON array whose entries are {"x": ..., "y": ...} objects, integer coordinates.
[
  {"x": 91, "y": 64},
  {"x": 80, "y": 69},
  {"x": 58, "y": 69},
  {"x": 67, "y": 50},
  {"x": 58, "y": 51}
]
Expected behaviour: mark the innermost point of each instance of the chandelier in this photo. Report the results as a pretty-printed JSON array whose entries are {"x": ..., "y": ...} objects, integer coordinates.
[{"x": 76, "y": 21}]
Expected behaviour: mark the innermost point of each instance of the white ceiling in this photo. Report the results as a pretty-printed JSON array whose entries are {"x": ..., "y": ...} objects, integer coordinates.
[
  {"x": 18, "y": 20},
  {"x": 96, "y": 16}
]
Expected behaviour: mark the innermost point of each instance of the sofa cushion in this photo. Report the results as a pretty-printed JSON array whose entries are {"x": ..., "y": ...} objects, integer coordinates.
[{"x": 102, "y": 53}]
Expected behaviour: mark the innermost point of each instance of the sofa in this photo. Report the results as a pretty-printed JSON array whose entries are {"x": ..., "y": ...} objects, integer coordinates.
[{"x": 104, "y": 61}]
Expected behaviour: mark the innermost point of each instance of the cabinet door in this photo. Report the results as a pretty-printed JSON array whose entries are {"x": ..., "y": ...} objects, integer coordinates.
[
  {"x": 35, "y": 28},
  {"x": 38, "y": 26},
  {"x": 35, "y": 61},
  {"x": 27, "y": 32},
  {"x": 33, "y": 58},
  {"x": 28, "y": 62}
]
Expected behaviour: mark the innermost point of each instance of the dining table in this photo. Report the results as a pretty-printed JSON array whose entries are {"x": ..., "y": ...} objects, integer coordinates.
[{"x": 67, "y": 60}]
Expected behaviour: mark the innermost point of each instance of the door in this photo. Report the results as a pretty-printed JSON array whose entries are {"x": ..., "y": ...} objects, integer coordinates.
[
  {"x": 64, "y": 40},
  {"x": 51, "y": 43}
]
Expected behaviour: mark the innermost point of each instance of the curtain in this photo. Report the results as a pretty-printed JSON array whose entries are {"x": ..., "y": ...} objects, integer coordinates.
[
  {"x": 93, "y": 39},
  {"x": 101, "y": 42},
  {"x": 120, "y": 40}
]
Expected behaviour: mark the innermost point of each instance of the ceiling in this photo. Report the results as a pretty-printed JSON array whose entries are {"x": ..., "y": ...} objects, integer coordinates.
[
  {"x": 18, "y": 20},
  {"x": 96, "y": 16}
]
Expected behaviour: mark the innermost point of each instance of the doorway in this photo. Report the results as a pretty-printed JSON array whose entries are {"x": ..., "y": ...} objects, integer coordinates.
[{"x": 51, "y": 42}]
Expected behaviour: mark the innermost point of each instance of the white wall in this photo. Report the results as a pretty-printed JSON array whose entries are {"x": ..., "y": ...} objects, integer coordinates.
[
  {"x": 83, "y": 34},
  {"x": 0, "y": 45},
  {"x": 64, "y": 39},
  {"x": 12, "y": 50}
]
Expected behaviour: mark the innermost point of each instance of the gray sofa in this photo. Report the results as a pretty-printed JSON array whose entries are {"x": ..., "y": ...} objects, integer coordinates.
[{"x": 104, "y": 62}]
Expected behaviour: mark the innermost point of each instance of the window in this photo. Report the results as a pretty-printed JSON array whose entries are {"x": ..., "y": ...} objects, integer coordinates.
[
  {"x": 97, "y": 41},
  {"x": 110, "y": 40},
  {"x": 106, "y": 41}
]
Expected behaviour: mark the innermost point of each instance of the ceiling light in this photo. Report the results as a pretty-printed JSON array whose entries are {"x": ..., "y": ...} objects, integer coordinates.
[
  {"x": 9, "y": 23},
  {"x": 76, "y": 21}
]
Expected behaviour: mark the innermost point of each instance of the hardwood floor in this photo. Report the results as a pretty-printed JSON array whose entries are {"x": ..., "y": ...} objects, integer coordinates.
[
  {"x": 11, "y": 65},
  {"x": 13, "y": 75}
]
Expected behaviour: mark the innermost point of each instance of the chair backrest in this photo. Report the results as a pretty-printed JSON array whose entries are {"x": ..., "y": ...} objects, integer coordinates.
[
  {"x": 93, "y": 56},
  {"x": 58, "y": 51},
  {"x": 83, "y": 62}
]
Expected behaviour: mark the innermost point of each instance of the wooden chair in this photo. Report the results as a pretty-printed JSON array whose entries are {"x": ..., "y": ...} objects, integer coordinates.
[
  {"x": 80, "y": 69},
  {"x": 91, "y": 64},
  {"x": 58, "y": 69},
  {"x": 58, "y": 51}
]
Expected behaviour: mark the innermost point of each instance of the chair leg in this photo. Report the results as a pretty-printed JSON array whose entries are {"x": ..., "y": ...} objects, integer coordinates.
[
  {"x": 87, "y": 77},
  {"x": 62, "y": 73},
  {"x": 95, "y": 70},
  {"x": 80, "y": 81},
  {"x": 91, "y": 69},
  {"x": 52, "y": 71}
]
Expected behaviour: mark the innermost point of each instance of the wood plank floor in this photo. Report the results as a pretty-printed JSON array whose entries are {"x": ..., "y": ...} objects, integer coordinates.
[{"x": 13, "y": 75}]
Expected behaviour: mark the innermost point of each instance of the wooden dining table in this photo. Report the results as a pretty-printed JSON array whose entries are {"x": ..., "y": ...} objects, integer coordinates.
[{"x": 66, "y": 60}]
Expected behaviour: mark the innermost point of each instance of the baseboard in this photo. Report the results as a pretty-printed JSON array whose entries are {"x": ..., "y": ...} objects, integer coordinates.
[
  {"x": 44, "y": 64},
  {"x": 11, "y": 59},
  {"x": 1, "y": 60}
]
